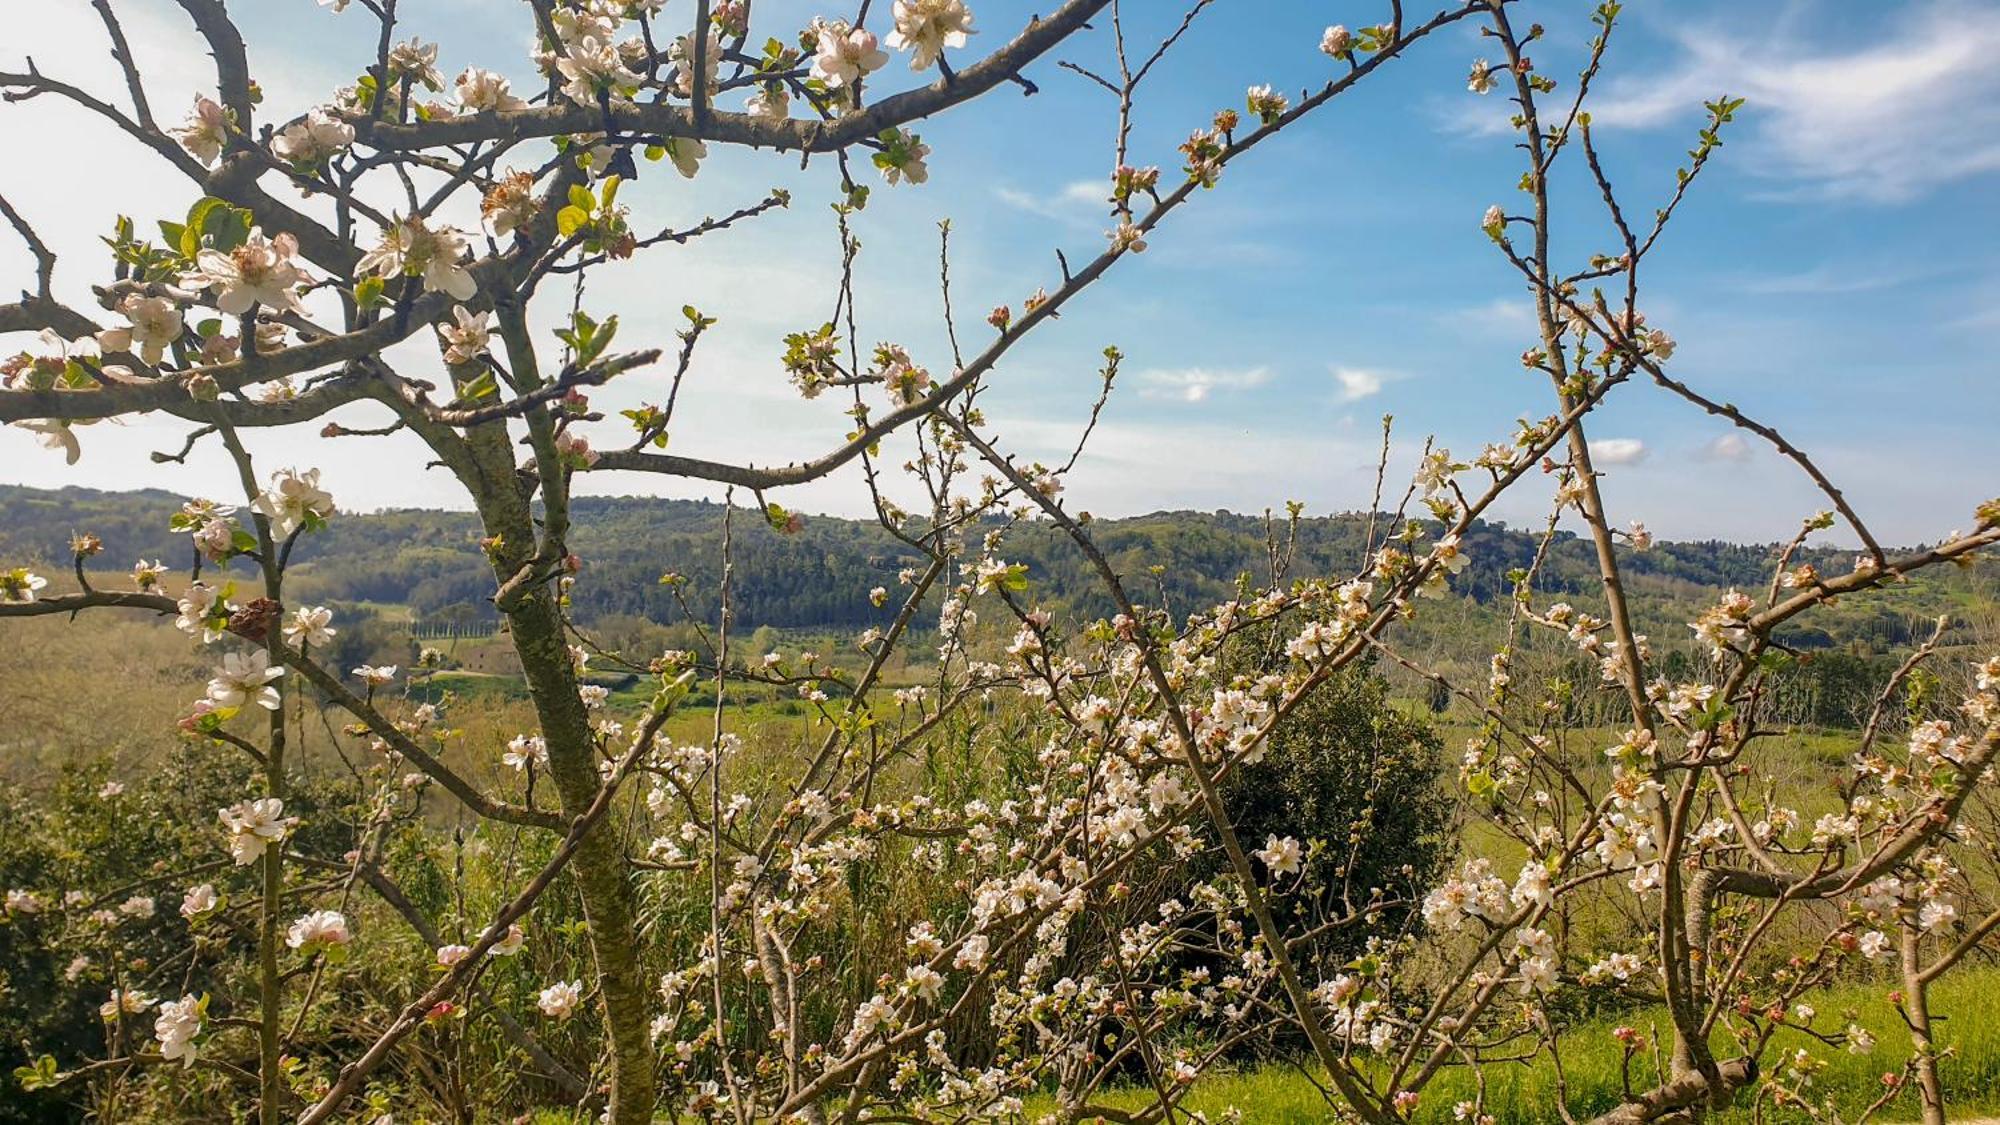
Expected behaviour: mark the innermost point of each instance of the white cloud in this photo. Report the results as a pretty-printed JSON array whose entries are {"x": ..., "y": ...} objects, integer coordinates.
[
  {"x": 1195, "y": 384},
  {"x": 1501, "y": 316},
  {"x": 1076, "y": 204},
  {"x": 1728, "y": 447},
  {"x": 1618, "y": 451},
  {"x": 1884, "y": 121},
  {"x": 1356, "y": 384},
  {"x": 1090, "y": 193}
]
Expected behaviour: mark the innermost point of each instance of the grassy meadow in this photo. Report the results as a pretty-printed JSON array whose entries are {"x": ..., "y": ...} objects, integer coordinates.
[
  {"x": 104, "y": 689},
  {"x": 1591, "y": 1080}
]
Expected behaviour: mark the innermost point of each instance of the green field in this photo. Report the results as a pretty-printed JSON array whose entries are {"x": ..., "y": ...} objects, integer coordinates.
[{"x": 1966, "y": 1006}]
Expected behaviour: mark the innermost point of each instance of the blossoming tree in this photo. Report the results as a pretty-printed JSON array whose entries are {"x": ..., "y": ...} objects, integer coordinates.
[{"x": 319, "y": 245}]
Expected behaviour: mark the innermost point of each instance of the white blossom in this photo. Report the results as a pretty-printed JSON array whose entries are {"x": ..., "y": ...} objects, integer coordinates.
[
  {"x": 467, "y": 338},
  {"x": 313, "y": 139},
  {"x": 245, "y": 678},
  {"x": 927, "y": 27},
  {"x": 409, "y": 248},
  {"x": 155, "y": 324},
  {"x": 310, "y": 625},
  {"x": 482, "y": 91},
  {"x": 560, "y": 1000},
  {"x": 176, "y": 1026},
  {"x": 318, "y": 929},
  {"x": 254, "y": 826},
  {"x": 259, "y": 272},
  {"x": 1281, "y": 854}
]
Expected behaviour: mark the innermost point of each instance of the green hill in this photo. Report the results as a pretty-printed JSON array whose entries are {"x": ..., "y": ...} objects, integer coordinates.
[{"x": 819, "y": 578}]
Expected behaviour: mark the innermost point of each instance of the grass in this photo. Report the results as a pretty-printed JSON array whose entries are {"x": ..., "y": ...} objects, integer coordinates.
[{"x": 1967, "y": 1004}]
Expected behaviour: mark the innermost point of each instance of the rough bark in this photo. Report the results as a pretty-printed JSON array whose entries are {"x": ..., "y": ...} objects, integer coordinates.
[{"x": 1671, "y": 1101}]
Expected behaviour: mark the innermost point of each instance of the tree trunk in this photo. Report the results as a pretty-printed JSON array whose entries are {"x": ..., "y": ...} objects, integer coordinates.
[
  {"x": 1917, "y": 1009},
  {"x": 485, "y": 464},
  {"x": 599, "y": 867}
]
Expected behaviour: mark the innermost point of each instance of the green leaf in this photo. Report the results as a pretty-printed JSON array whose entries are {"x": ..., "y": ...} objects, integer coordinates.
[
  {"x": 227, "y": 228},
  {"x": 580, "y": 198},
  {"x": 672, "y": 691},
  {"x": 594, "y": 344},
  {"x": 39, "y": 1076},
  {"x": 368, "y": 292},
  {"x": 481, "y": 386},
  {"x": 656, "y": 152},
  {"x": 569, "y": 220},
  {"x": 190, "y": 240},
  {"x": 213, "y": 223}
]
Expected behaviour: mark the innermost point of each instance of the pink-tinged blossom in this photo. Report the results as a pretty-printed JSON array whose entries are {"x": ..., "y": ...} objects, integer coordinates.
[
  {"x": 206, "y": 130},
  {"x": 467, "y": 338},
  {"x": 203, "y": 613},
  {"x": 313, "y": 139},
  {"x": 319, "y": 929},
  {"x": 416, "y": 60},
  {"x": 199, "y": 900},
  {"x": 254, "y": 826},
  {"x": 259, "y": 272},
  {"x": 845, "y": 54},
  {"x": 593, "y": 68},
  {"x": 154, "y": 324},
  {"x": 560, "y": 1000}
]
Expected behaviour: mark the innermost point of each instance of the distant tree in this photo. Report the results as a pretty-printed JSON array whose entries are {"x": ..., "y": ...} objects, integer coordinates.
[{"x": 1362, "y": 785}]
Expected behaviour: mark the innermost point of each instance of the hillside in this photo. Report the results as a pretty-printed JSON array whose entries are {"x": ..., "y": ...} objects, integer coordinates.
[{"x": 429, "y": 562}]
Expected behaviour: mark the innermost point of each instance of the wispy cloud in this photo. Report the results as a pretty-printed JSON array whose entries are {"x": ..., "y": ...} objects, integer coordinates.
[
  {"x": 1885, "y": 121},
  {"x": 1618, "y": 451},
  {"x": 1087, "y": 193},
  {"x": 1357, "y": 384},
  {"x": 1728, "y": 447},
  {"x": 1499, "y": 316},
  {"x": 1826, "y": 281},
  {"x": 1074, "y": 203},
  {"x": 1195, "y": 384}
]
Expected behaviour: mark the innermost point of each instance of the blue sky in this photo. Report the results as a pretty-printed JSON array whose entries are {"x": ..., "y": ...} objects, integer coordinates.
[{"x": 1834, "y": 273}]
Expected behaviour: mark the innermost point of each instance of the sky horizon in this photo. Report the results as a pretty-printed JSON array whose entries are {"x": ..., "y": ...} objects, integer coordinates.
[{"x": 1834, "y": 272}]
